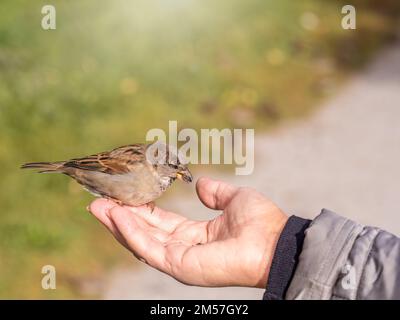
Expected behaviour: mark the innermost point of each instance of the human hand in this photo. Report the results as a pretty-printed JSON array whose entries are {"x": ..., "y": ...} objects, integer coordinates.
[{"x": 234, "y": 249}]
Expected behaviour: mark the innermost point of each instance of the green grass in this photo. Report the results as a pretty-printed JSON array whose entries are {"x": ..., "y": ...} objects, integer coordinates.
[{"x": 114, "y": 69}]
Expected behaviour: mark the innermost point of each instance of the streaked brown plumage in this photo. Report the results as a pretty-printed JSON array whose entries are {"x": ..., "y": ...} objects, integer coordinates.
[{"x": 131, "y": 175}]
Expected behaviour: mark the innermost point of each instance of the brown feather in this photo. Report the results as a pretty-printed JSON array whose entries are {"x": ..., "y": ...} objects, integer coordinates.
[{"x": 116, "y": 161}]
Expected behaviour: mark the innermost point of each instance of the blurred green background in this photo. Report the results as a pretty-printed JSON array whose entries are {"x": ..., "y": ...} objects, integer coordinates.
[{"x": 114, "y": 69}]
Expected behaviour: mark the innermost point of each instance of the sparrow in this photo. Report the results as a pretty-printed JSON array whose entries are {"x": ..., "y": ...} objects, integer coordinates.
[{"x": 131, "y": 175}]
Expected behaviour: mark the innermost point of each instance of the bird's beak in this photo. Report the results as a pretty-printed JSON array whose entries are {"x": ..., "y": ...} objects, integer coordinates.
[{"x": 185, "y": 175}]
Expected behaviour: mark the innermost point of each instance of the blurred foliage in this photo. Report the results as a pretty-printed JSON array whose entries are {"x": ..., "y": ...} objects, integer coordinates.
[{"x": 114, "y": 69}]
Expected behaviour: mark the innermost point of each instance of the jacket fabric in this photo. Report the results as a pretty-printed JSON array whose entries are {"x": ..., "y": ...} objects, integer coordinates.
[{"x": 342, "y": 259}]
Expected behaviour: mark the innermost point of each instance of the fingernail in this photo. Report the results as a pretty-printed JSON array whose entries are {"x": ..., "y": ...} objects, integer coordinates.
[{"x": 88, "y": 208}]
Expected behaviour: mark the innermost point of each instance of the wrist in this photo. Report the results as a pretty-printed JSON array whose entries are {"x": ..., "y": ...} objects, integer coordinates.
[
  {"x": 285, "y": 259},
  {"x": 272, "y": 233}
]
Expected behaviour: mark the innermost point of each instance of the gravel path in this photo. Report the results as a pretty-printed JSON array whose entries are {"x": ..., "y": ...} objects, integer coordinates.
[{"x": 345, "y": 157}]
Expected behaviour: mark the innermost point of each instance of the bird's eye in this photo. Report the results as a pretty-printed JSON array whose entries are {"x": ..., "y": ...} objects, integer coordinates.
[{"x": 174, "y": 166}]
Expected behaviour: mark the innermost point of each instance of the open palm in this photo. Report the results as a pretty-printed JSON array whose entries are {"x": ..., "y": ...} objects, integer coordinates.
[{"x": 235, "y": 248}]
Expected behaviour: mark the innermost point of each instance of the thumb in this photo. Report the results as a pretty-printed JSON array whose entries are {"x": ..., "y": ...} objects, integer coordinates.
[{"x": 215, "y": 194}]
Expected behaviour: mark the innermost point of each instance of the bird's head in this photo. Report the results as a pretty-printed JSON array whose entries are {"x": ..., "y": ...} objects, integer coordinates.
[{"x": 168, "y": 162}]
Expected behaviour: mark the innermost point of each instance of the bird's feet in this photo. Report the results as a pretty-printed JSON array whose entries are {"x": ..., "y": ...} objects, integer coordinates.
[
  {"x": 118, "y": 202},
  {"x": 151, "y": 205}
]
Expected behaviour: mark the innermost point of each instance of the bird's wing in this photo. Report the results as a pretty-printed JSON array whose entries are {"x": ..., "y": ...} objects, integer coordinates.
[{"x": 116, "y": 161}]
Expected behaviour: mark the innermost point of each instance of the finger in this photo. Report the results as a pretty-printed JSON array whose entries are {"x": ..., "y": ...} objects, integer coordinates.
[
  {"x": 159, "y": 218},
  {"x": 215, "y": 194},
  {"x": 167, "y": 223},
  {"x": 100, "y": 209},
  {"x": 142, "y": 243}
]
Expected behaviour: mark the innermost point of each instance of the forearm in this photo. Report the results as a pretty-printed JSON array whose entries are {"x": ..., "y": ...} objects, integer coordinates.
[{"x": 337, "y": 259}]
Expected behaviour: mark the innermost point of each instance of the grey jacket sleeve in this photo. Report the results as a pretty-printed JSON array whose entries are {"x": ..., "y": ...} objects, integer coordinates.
[{"x": 342, "y": 259}]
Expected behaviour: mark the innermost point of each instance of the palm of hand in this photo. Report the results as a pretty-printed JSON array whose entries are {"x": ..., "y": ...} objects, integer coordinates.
[{"x": 235, "y": 248}]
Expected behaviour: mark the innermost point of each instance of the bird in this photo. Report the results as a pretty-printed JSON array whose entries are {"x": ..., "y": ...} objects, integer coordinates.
[{"x": 132, "y": 175}]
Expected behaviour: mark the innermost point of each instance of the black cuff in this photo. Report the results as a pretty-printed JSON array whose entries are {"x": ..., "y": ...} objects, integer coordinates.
[{"x": 286, "y": 257}]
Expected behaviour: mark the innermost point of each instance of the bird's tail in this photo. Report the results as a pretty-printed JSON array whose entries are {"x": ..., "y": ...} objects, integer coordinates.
[{"x": 44, "y": 167}]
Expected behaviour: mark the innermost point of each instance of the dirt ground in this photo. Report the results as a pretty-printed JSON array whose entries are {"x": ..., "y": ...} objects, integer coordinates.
[{"x": 345, "y": 157}]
